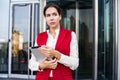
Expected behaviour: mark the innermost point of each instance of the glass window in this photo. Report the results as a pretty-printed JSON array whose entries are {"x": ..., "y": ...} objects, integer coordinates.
[
  {"x": 106, "y": 40},
  {"x": 20, "y": 33},
  {"x": 4, "y": 27},
  {"x": 25, "y": 27},
  {"x": 86, "y": 27}
]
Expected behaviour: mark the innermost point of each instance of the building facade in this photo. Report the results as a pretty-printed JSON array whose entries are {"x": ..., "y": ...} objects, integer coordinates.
[{"x": 95, "y": 22}]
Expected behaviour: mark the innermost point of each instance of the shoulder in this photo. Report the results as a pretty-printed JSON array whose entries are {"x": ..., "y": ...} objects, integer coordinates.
[
  {"x": 72, "y": 33},
  {"x": 66, "y": 30},
  {"x": 42, "y": 33}
]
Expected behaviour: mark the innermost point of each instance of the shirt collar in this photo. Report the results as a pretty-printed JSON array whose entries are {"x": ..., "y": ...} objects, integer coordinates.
[{"x": 56, "y": 31}]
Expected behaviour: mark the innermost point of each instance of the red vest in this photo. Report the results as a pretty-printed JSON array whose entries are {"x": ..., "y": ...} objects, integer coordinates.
[{"x": 63, "y": 45}]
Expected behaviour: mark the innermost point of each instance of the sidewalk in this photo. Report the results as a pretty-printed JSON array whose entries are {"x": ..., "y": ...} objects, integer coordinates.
[{"x": 14, "y": 79}]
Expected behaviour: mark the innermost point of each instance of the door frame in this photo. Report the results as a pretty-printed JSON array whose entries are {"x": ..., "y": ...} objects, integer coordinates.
[
  {"x": 95, "y": 56},
  {"x": 10, "y": 74}
]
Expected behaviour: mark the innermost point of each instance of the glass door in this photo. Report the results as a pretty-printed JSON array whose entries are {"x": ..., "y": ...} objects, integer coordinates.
[
  {"x": 25, "y": 27},
  {"x": 78, "y": 15},
  {"x": 20, "y": 39},
  {"x": 106, "y": 40},
  {"x": 85, "y": 39}
]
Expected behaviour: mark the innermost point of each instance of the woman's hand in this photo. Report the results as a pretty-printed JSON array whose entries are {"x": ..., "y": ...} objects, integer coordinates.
[
  {"x": 45, "y": 64},
  {"x": 45, "y": 50},
  {"x": 49, "y": 52}
]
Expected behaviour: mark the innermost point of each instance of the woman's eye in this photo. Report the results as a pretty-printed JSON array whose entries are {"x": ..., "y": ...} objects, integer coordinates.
[
  {"x": 47, "y": 15},
  {"x": 54, "y": 14}
]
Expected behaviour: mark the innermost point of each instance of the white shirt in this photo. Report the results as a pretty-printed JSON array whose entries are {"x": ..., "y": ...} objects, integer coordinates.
[{"x": 71, "y": 61}]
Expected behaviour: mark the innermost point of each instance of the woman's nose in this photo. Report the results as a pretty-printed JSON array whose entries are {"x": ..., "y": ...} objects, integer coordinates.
[{"x": 51, "y": 17}]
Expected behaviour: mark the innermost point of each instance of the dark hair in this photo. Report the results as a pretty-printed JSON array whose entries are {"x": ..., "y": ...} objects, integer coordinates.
[{"x": 52, "y": 5}]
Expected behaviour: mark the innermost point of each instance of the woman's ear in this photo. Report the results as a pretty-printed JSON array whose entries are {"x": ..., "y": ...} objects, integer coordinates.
[{"x": 60, "y": 17}]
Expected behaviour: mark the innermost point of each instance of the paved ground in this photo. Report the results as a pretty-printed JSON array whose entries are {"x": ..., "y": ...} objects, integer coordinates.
[
  {"x": 13, "y": 79},
  {"x": 29, "y": 79}
]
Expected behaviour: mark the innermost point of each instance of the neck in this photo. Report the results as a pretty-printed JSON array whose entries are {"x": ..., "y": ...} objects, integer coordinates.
[{"x": 52, "y": 31}]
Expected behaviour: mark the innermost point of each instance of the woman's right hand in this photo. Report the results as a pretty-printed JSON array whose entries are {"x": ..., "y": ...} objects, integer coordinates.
[
  {"x": 45, "y": 50},
  {"x": 46, "y": 64}
]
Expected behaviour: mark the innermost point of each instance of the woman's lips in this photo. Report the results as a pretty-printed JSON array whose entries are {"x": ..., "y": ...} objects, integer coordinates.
[{"x": 52, "y": 23}]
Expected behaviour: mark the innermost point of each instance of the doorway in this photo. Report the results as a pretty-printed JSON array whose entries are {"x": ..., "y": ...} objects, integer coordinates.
[{"x": 24, "y": 28}]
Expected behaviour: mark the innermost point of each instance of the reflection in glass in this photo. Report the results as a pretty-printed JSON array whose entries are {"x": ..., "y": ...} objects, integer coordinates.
[
  {"x": 86, "y": 27},
  {"x": 24, "y": 30},
  {"x": 20, "y": 39},
  {"x": 3, "y": 57},
  {"x": 4, "y": 26},
  {"x": 106, "y": 40}
]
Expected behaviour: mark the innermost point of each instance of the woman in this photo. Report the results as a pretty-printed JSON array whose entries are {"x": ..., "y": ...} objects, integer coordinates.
[{"x": 58, "y": 45}]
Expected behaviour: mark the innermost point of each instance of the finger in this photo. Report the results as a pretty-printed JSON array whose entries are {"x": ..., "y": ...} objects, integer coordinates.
[
  {"x": 53, "y": 66},
  {"x": 53, "y": 61},
  {"x": 45, "y": 59}
]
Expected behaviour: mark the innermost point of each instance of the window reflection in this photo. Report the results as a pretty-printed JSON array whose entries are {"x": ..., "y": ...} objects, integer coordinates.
[
  {"x": 106, "y": 40},
  {"x": 19, "y": 42},
  {"x": 3, "y": 57},
  {"x": 24, "y": 30},
  {"x": 4, "y": 26}
]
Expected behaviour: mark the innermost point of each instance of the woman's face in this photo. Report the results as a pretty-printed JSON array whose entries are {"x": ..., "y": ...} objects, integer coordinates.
[{"x": 52, "y": 17}]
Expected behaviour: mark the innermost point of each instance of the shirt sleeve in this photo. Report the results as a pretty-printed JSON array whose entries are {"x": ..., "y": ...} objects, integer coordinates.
[
  {"x": 71, "y": 61},
  {"x": 33, "y": 63}
]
